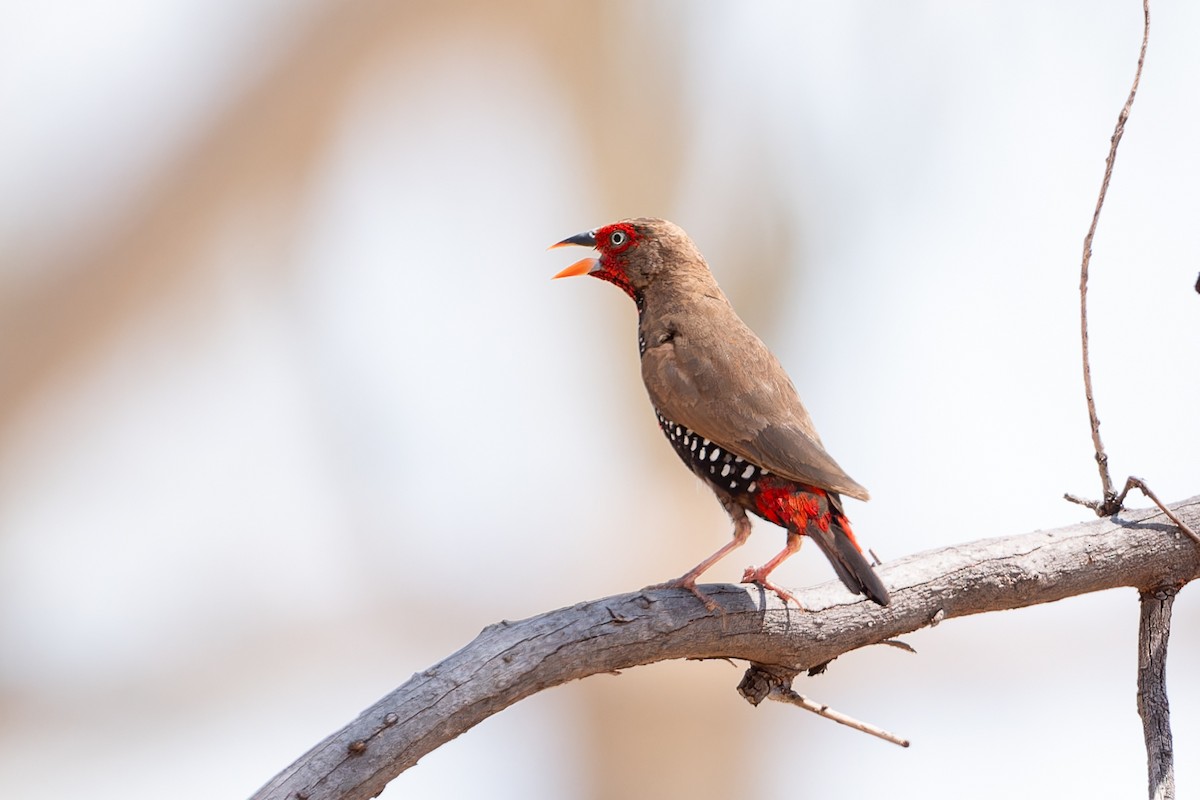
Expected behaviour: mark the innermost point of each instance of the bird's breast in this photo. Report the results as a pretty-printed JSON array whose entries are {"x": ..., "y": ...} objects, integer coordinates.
[{"x": 658, "y": 331}]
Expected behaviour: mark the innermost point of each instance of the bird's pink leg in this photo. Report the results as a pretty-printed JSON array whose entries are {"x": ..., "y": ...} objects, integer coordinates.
[
  {"x": 759, "y": 574},
  {"x": 741, "y": 532}
]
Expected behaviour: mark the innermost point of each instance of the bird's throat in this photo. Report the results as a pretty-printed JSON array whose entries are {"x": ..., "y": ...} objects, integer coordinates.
[{"x": 616, "y": 275}]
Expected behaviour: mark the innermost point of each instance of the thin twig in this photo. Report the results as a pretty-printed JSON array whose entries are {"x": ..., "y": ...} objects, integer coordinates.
[
  {"x": 1153, "y": 633},
  {"x": 787, "y": 695},
  {"x": 1111, "y": 502},
  {"x": 1108, "y": 506},
  {"x": 1133, "y": 482}
]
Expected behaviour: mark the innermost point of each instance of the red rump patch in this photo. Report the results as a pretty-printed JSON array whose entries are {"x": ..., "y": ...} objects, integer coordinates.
[{"x": 792, "y": 506}]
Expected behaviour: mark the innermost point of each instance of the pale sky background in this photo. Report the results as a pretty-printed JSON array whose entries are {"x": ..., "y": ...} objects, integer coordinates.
[{"x": 290, "y": 409}]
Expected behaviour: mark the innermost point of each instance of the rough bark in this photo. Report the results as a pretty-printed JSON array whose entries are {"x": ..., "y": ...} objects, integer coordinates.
[
  {"x": 512, "y": 660},
  {"x": 1153, "y": 632}
]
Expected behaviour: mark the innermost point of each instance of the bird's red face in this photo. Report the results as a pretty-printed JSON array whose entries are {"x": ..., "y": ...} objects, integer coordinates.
[{"x": 615, "y": 243}]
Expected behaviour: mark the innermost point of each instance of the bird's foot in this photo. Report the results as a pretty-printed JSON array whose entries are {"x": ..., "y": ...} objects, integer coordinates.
[
  {"x": 757, "y": 575},
  {"x": 689, "y": 583}
]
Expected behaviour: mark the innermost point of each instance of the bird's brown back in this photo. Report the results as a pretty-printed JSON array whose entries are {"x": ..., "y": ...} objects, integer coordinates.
[{"x": 705, "y": 369}]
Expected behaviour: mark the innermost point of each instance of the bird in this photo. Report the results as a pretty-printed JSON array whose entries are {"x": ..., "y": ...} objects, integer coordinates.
[{"x": 726, "y": 405}]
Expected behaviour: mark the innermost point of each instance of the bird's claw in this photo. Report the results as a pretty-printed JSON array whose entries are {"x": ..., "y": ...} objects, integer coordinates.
[
  {"x": 756, "y": 576},
  {"x": 690, "y": 585}
]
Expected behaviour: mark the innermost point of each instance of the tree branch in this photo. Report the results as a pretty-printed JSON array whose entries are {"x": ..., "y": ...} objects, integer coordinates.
[
  {"x": 1155, "y": 711},
  {"x": 509, "y": 661}
]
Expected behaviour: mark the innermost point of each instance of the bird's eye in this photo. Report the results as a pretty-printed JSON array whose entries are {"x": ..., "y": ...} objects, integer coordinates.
[{"x": 617, "y": 238}]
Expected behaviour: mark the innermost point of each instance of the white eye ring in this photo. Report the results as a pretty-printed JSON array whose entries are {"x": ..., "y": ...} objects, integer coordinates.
[{"x": 617, "y": 238}]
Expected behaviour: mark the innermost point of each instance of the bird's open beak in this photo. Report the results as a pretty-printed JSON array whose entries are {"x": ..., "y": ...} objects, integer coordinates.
[
  {"x": 581, "y": 267},
  {"x": 584, "y": 265}
]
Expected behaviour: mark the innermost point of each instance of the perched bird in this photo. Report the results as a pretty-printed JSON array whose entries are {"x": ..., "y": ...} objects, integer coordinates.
[{"x": 726, "y": 405}]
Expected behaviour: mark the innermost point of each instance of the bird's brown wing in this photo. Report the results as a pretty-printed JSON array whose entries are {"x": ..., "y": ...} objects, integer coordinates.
[{"x": 723, "y": 383}]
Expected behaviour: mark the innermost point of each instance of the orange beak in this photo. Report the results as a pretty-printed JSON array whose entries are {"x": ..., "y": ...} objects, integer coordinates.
[
  {"x": 584, "y": 265},
  {"x": 581, "y": 267}
]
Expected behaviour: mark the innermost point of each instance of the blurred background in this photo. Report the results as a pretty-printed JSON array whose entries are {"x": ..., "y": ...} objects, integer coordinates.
[{"x": 290, "y": 409}]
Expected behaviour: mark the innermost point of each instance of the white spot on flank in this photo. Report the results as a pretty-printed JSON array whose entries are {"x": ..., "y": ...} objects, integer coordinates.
[
  {"x": 753, "y": 485},
  {"x": 716, "y": 453},
  {"x": 703, "y": 454},
  {"x": 748, "y": 471},
  {"x": 678, "y": 430},
  {"x": 725, "y": 471}
]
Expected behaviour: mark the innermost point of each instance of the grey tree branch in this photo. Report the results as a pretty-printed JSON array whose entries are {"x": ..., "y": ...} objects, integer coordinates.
[
  {"x": 509, "y": 661},
  {"x": 1155, "y": 711}
]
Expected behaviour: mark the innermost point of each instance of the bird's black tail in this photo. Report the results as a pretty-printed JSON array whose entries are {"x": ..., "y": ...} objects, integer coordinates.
[{"x": 838, "y": 545}]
